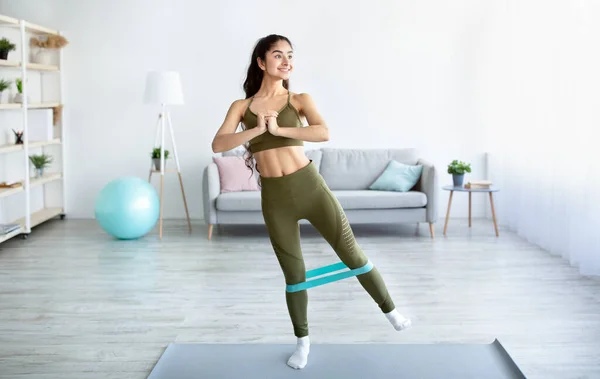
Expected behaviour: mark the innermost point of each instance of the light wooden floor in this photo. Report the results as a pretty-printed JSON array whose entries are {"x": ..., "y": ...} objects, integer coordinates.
[{"x": 76, "y": 304}]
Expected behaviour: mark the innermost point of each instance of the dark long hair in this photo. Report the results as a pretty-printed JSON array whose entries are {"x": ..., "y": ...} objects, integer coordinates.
[{"x": 254, "y": 76}]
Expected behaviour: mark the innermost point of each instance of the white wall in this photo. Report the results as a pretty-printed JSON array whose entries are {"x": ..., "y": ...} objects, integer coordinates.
[{"x": 384, "y": 74}]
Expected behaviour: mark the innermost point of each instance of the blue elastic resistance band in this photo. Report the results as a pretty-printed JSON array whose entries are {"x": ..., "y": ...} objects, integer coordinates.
[{"x": 329, "y": 278}]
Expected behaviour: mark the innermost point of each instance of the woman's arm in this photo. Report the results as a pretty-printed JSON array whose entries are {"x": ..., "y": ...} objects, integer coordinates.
[
  {"x": 316, "y": 131},
  {"x": 226, "y": 137}
]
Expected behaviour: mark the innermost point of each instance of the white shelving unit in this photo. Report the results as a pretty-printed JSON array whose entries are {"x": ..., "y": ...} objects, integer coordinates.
[{"x": 50, "y": 203}]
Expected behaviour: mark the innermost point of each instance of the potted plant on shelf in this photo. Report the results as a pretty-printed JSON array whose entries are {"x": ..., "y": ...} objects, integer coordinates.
[
  {"x": 19, "y": 94},
  {"x": 457, "y": 169},
  {"x": 5, "y": 47},
  {"x": 156, "y": 157},
  {"x": 40, "y": 162},
  {"x": 45, "y": 44},
  {"x": 4, "y": 85}
]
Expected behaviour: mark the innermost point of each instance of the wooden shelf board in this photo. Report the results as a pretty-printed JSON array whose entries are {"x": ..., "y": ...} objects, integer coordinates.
[
  {"x": 40, "y": 216},
  {"x": 4, "y": 237},
  {"x": 10, "y": 148},
  {"x": 30, "y": 66},
  {"x": 41, "y": 67},
  {"x": 33, "y": 28},
  {"x": 5, "y": 20},
  {"x": 47, "y": 178},
  {"x": 4, "y": 192},
  {"x": 6, "y": 63},
  {"x": 32, "y": 144},
  {"x": 29, "y": 106},
  {"x": 33, "y": 182}
]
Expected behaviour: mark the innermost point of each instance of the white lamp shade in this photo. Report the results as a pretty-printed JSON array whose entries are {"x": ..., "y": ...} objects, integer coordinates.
[{"x": 163, "y": 87}]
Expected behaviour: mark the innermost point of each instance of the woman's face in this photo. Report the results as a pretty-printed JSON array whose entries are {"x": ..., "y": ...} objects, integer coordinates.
[{"x": 279, "y": 60}]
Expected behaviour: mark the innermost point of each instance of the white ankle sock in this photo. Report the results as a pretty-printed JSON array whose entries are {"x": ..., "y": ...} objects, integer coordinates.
[
  {"x": 300, "y": 357},
  {"x": 397, "y": 320}
]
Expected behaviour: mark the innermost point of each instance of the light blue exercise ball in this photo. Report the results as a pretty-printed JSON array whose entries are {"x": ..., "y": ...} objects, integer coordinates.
[{"x": 127, "y": 208}]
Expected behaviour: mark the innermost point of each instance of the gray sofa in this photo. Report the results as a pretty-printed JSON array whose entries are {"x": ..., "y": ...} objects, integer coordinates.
[{"x": 348, "y": 173}]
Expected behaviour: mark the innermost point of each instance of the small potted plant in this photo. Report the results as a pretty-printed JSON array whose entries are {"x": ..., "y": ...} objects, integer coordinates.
[
  {"x": 40, "y": 162},
  {"x": 5, "y": 47},
  {"x": 4, "y": 85},
  {"x": 19, "y": 94},
  {"x": 457, "y": 169},
  {"x": 156, "y": 157}
]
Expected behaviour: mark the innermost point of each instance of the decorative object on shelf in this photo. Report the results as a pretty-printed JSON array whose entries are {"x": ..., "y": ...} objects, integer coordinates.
[
  {"x": 45, "y": 45},
  {"x": 19, "y": 94},
  {"x": 156, "y": 157},
  {"x": 4, "y": 85},
  {"x": 7, "y": 228},
  {"x": 18, "y": 137},
  {"x": 5, "y": 47},
  {"x": 164, "y": 88},
  {"x": 40, "y": 162},
  {"x": 457, "y": 169},
  {"x": 56, "y": 114},
  {"x": 11, "y": 185}
]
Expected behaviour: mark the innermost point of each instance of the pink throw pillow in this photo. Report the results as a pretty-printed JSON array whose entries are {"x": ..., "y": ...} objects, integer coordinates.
[{"x": 235, "y": 175}]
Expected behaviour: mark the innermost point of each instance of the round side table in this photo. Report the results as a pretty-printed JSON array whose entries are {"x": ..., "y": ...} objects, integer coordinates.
[{"x": 489, "y": 190}]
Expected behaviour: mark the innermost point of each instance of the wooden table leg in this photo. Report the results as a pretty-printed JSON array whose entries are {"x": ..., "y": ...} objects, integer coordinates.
[
  {"x": 448, "y": 211},
  {"x": 469, "y": 209},
  {"x": 494, "y": 214}
]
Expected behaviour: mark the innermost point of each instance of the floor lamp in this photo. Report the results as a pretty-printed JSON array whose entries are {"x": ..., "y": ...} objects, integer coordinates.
[{"x": 164, "y": 88}]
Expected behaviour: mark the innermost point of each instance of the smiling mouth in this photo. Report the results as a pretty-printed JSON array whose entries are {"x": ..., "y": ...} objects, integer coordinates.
[{"x": 284, "y": 69}]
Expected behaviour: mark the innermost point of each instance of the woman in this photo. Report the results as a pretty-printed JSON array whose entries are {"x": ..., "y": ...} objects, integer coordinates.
[{"x": 292, "y": 189}]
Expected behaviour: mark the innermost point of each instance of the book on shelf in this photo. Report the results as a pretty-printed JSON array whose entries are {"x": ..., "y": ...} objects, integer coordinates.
[
  {"x": 7, "y": 228},
  {"x": 10, "y": 185},
  {"x": 478, "y": 184}
]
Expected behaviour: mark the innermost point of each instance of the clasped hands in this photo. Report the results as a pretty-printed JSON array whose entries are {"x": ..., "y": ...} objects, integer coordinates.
[{"x": 268, "y": 121}]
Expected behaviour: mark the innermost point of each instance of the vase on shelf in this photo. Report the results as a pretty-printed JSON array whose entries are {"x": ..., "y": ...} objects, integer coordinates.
[
  {"x": 19, "y": 98},
  {"x": 43, "y": 56},
  {"x": 39, "y": 172}
]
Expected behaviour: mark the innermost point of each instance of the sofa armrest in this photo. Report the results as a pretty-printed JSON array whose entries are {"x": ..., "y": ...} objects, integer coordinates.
[
  {"x": 428, "y": 185},
  {"x": 211, "y": 186}
]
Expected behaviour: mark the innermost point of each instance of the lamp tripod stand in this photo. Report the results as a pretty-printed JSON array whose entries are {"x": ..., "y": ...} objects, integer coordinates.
[{"x": 165, "y": 118}]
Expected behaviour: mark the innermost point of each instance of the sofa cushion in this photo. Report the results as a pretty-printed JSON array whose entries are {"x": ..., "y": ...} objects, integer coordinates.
[
  {"x": 361, "y": 199},
  {"x": 239, "y": 201},
  {"x": 398, "y": 177},
  {"x": 234, "y": 175},
  {"x": 373, "y": 199},
  {"x": 357, "y": 169}
]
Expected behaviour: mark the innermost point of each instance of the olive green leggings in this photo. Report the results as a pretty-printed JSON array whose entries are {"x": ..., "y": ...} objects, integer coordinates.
[{"x": 305, "y": 195}]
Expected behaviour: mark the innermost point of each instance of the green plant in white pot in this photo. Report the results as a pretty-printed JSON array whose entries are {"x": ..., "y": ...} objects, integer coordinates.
[
  {"x": 40, "y": 162},
  {"x": 457, "y": 169},
  {"x": 4, "y": 85},
  {"x": 19, "y": 94},
  {"x": 156, "y": 157}
]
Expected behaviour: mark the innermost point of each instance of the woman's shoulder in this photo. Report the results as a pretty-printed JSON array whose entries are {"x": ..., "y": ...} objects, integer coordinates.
[
  {"x": 300, "y": 99},
  {"x": 240, "y": 105}
]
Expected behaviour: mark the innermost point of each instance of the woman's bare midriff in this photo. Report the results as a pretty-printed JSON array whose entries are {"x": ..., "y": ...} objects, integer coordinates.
[{"x": 281, "y": 161}]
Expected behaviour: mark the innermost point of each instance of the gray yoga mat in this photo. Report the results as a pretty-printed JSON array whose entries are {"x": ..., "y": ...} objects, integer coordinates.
[{"x": 423, "y": 361}]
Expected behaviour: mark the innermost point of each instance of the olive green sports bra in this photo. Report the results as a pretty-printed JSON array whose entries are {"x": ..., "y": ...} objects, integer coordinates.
[{"x": 288, "y": 117}]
